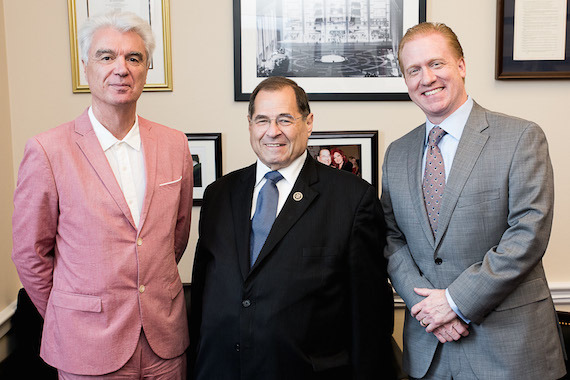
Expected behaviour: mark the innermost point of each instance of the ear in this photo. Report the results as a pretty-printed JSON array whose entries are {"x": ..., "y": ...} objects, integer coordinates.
[
  {"x": 84, "y": 66},
  {"x": 462, "y": 67},
  {"x": 309, "y": 123}
]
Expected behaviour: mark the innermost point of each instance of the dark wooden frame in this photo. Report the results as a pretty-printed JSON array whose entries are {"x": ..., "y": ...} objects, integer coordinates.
[
  {"x": 507, "y": 68},
  {"x": 216, "y": 139}
]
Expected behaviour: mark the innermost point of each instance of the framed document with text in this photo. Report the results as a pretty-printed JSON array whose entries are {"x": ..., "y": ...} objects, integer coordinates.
[{"x": 533, "y": 39}]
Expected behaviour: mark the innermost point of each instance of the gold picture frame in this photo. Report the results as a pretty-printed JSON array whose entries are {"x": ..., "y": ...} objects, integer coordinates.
[{"x": 159, "y": 76}]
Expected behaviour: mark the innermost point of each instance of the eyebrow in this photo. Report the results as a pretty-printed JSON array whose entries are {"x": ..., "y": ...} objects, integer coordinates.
[
  {"x": 101, "y": 52},
  {"x": 136, "y": 54},
  {"x": 267, "y": 117}
]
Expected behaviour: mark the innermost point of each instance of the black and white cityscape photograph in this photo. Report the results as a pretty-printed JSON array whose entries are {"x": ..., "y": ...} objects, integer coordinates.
[{"x": 328, "y": 38}]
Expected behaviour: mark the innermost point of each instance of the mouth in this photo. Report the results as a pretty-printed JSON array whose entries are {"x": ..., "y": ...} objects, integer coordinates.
[
  {"x": 120, "y": 85},
  {"x": 273, "y": 145},
  {"x": 433, "y": 92}
]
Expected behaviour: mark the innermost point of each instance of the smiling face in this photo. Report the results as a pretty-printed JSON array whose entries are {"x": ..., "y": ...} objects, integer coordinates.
[
  {"x": 117, "y": 68},
  {"x": 324, "y": 157},
  {"x": 338, "y": 158},
  {"x": 278, "y": 146},
  {"x": 434, "y": 76}
]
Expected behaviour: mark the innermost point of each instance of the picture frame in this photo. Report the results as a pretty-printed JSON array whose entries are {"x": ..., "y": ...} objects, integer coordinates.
[
  {"x": 530, "y": 46},
  {"x": 206, "y": 151},
  {"x": 157, "y": 12},
  {"x": 369, "y": 70},
  {"x": 362, "y": 145}
]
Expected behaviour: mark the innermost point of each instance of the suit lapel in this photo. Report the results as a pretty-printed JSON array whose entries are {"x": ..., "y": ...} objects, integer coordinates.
[
  {"x": 241, "y": 198},
  {"x": 470, "y": 147},
  {"x": 415, "y": 175},
  {"x": 149, "y": 146},
  {"x": 91, "y": 148},
  {"x": 292, "y": 209}
]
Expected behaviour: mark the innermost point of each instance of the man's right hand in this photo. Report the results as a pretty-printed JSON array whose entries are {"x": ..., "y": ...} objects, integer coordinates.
[{"x": 451, "y": 331}]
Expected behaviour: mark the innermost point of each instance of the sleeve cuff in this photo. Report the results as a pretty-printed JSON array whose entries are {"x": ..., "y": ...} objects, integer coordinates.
[{"x": 454, "y": 307}]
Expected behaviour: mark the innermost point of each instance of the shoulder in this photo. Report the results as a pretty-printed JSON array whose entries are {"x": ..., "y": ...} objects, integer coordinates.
[
  {"x": 412, "y": 137},
  {"x": 59, "y": 138},
  {"x": 233, "y": 179},
  {"x": 339, "y": 182},
  {"x": 161, "y": 131},
  {"x": 506, "y": 124}
]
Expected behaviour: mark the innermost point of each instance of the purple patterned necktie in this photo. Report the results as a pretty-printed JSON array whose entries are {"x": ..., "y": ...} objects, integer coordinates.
[{"x": 434, "y": 177}]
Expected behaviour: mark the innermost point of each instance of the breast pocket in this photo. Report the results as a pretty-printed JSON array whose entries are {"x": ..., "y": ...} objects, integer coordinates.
[
  {"x": 170, "y": 184},
  {"x": 320, "y": 264},
  {"x": 477, "y": 198}
]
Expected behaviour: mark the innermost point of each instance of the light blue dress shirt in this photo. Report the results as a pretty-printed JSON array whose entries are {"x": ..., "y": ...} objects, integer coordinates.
[{"x": 453, "y": 125}]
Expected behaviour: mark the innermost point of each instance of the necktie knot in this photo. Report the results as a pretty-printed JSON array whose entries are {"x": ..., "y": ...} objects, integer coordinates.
[
  {"x": 274, "y": 176},
  {"x": 435, "y": 136}
]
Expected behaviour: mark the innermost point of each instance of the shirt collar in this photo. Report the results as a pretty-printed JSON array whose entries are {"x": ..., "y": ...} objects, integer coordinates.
[
  {"x": 106, "y": 138},
  {"x": 290, "y": 173},
  {"x": 455, "y": 122}
]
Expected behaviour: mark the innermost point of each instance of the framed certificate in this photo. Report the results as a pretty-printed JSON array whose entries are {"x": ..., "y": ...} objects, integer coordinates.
[{"x": 532, "y": 39}]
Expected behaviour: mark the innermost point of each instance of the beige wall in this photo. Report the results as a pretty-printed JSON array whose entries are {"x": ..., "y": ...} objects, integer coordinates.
[
  {"x": 9, "y": 283},
  {"x": 40, "y": 97}
]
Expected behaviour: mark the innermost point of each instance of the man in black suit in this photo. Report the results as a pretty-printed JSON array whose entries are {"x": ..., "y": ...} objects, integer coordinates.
[{"x": 314, "y": 303}]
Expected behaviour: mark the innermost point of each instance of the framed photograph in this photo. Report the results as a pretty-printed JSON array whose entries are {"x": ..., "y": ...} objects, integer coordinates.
[
  {"x": 206, "y": 151},
  {"x": 533, "y": 39},
  {"x": 156, "y": 12},
  {"x": 354, "y": 151},
  {"x": 334, "y": 49}
]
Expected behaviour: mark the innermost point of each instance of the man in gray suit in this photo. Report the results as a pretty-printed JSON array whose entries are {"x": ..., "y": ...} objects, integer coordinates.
[{"x": 468, "y": 199}]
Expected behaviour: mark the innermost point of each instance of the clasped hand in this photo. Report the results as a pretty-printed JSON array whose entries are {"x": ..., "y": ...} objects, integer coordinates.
[{"x": 435, "y": 314}]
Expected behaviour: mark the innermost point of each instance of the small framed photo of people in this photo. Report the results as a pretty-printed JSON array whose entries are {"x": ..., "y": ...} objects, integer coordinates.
[
  {"x": 354, "y": 151},
  {"x": 334, "y": 49},
  {"x": 206, "y": 151}
]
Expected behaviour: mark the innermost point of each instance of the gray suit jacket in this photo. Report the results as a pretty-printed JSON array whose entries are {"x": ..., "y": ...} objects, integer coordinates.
[{"x": 494, "y": 227}]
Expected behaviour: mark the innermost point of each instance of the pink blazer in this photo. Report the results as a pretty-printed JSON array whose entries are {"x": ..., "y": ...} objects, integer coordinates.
[{"x": 92, "y": 275}]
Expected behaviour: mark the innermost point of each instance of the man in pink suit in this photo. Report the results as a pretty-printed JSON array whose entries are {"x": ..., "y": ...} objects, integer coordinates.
[{"x": 102, "y": 217}]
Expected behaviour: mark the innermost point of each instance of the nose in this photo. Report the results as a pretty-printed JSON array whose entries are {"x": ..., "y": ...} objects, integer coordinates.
[
  {"x": 428, "y": 77},
  {"x": 273, "y": 129},
  {"x": 121, "y": 66}
]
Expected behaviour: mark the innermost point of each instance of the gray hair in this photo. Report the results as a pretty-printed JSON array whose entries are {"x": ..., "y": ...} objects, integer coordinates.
[{"x": 121, "y": 21}]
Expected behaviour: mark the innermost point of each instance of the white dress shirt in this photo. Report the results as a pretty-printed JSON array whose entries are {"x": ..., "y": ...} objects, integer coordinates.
[
  {"x": 127, "y": 162},
  {"x": 453, "y": 125},
  {"x": 290, "y": 175}
]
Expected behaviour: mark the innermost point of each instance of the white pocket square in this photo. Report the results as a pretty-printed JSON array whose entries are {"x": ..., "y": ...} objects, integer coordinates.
[{"x": 171, "y": 182}]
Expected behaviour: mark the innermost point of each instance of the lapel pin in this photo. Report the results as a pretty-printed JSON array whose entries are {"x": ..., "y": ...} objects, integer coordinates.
[{"x": 298, "y": 196}]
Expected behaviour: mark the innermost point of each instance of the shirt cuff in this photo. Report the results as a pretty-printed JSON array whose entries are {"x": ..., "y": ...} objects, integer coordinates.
[{"x": 454, "y": 307}]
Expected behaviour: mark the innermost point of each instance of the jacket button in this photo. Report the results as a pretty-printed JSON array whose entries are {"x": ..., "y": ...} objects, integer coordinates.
[
  {"x": 438, "y": 261},
  {"x": 141, "y": 289},
  {"x": 139, "y": 242},
  {"x": 237, "y": 347},
  {"x": 246, "y": 303}
]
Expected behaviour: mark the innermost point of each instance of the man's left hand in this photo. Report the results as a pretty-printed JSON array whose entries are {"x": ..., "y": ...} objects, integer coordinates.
[{"x": 434, "y": 311}]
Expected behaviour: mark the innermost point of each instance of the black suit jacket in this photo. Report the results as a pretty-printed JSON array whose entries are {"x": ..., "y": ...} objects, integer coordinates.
[{"x": 316, "y": 304}]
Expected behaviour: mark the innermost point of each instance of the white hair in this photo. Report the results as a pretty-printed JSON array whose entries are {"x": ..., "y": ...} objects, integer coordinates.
[{"x": 121, "y": 21}]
